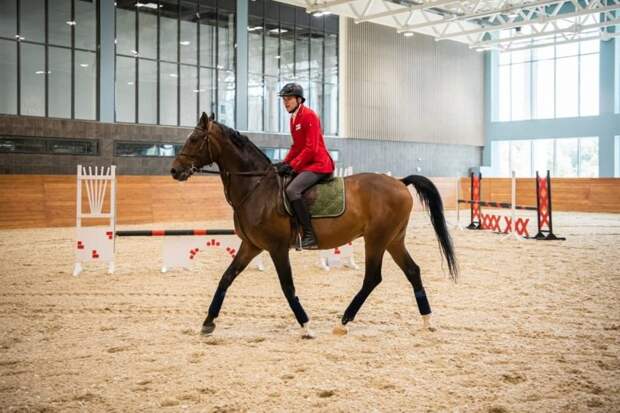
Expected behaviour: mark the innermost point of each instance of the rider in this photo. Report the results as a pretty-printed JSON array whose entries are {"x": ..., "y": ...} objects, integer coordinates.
[{"x": 308, "y": 159}]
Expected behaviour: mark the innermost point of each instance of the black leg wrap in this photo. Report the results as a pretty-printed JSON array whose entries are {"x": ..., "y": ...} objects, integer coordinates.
[
  {"x": 300, "y": 314},
  {"x": 345, "y": 320},
  {"x": 216, "y": 303},
  {"x": 423, "y": 305}
]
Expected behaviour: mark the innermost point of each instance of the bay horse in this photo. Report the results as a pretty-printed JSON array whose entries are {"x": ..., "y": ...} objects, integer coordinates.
[{"x": 377, "y": 208}]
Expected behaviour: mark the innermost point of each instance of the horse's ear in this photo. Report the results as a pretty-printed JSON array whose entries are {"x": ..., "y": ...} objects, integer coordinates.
[
  {"x": 212, "y": 117},
  {"x": 204, "y": 121}
]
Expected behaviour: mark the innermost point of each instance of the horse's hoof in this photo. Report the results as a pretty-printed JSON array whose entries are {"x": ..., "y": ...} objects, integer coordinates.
[
  {"x": 427, "y": 324},
  {"x": 340, "y": 330},
  {"x": 306, "y": 333},
  {"x": 207, "y": 329}
]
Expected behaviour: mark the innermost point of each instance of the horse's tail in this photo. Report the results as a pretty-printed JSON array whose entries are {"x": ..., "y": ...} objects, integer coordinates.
[{"x": 430, "y": 198}]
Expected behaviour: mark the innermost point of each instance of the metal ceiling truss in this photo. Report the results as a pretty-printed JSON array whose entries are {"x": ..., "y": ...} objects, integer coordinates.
[{"x": 480, "y": 22}]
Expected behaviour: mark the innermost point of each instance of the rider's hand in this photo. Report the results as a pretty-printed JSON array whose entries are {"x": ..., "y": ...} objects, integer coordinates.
[{"x": 284, "y": 169}]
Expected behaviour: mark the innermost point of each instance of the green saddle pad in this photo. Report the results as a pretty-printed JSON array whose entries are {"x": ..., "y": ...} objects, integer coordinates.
[{"x": 325, "y": 200}]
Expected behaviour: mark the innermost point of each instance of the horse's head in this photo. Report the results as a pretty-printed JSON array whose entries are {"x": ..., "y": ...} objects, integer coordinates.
[{"x": 199, "y": 149}]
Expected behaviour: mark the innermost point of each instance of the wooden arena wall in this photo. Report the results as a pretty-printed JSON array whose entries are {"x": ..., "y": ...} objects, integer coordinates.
[{"x": 33, "y": 201}]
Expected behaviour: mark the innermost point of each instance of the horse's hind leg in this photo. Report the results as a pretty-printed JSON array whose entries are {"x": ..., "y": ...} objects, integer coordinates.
[
  {"x": 372, "y": 278},
  {"x": 245, "y": 254},
  {"x": 401, "y": 256}
]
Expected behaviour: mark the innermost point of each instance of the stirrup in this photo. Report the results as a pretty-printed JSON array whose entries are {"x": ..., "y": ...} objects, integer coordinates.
[{"x": 314, "y": 246}]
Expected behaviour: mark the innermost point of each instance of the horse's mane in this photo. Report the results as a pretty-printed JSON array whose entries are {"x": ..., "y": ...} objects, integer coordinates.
[{"x": 242, "y": 141}]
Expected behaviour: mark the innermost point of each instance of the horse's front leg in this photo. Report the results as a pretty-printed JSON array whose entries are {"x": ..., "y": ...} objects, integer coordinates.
[
  {"x": 282, "y": 263},
  {"x": 246, "y": 253}
]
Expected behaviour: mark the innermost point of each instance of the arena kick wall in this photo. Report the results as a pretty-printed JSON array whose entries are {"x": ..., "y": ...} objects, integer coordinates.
[{"x": 36, "y": 201}]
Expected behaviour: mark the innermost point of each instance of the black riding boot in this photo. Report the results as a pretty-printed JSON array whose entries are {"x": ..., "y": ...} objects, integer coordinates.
[{"x": 308, "y": 239}]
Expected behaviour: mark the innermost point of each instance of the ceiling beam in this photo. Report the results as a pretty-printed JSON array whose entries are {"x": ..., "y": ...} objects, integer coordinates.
[
  {"x": 403, "y": 10},
  {"x": 471, "y": 16},
  {"x": 568, "y": 30},
  {"x": 539, "y": 20},
  {"x": 326, "y": 5},
  {"x": 603, "y": 36}
]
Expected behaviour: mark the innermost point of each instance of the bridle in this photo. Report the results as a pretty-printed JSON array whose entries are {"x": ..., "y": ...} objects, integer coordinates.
[{"x": 227, "y": 174}]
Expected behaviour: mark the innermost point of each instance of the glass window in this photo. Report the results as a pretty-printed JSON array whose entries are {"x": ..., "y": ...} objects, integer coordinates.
[
  {"x": 8, "y": 76},
  {"x": 272, "y": 56},
  {"x": 567, "y": 161},
  {"x": 147, "y": 35},
  {"x": 282, "y": 153},
  {"x": 189, "y": 98},
  {"x": 315, "y": 97},
  {"x": 146, "y": 149},
  {"x": 543, "y": 83},
  {"x": 226, "y": 98},
  {"x": 71, "y": 147},
  {"x": 302, "y": 54},
  {"x": 589, "y": 46},
  {"x": 255, "y": 46},
  {"x": 22, "y": 145},
  {"x": 85, "y": 24},
  {"x": 330, "y": 102},
  {"x": 168, "y": 33},
  {"x": 85, "y": 85},
  {"x": 147, "y": 91},
  {"x": 542, "y": 53},
  {"x": 207, "y": 36},
  {"x": 33, "y": 74},
  {"x": 521, "y": 157},
  {"x": 588, "y": 84},
  {"x": 287, "y": 53},
  {"x": 271, "y": 103},
  {"x": 504, "y": 93},
  {"x": 125, "y": 31},
  {"x": 316, "y": 56},
  {"x": 168, "y": 94},
  {"x": 59, "y": 13},
  {"x": 32, "y": 20},
  {"x": 588, "y": 157},
  {"x": 567, "y": 49},
  {"x": 207, "y": 91},
  {"x": 566, "y": 92},
  {"x": 59, "y": 83},
  {"x": 125, "y": 89},
  {"x": 564, "y": 81},
  {"x": 272, "y": 153},
  {"x": 255, "y": 102},
  {"x": 520, "y": 91},
  {"x": 52, "y": 146},
  {"x": 8, "y": 18},
  {"x": 542, "y": 154},
  {"x": 226, "y": 40},
  {"x": 501, "y": 157},
  {"x": 189, "y": 36}
]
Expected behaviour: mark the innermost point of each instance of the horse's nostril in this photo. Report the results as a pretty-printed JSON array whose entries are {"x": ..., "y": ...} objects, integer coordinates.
[{"x": 173, "y": 171}]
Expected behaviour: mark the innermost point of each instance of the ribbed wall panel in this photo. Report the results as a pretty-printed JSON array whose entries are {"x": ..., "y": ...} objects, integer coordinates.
[{"x": 410, "y": 89}]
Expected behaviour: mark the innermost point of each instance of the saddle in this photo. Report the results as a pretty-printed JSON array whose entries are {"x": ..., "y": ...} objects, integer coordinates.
[{"x": 324, "y": 200}]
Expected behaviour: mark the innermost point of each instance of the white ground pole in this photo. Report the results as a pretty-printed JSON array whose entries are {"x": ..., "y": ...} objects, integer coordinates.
[
  {"x": 96, "y": 186},
  {"x": 329, "y": 255},
  {"x": 513, "y": 211}
]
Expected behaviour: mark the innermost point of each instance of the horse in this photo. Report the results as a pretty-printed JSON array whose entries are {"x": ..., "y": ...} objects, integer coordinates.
[{"x": 378, "y": 208}]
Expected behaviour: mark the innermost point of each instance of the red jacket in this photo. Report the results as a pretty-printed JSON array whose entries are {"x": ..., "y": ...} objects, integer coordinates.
[{"x": 308, "y": 152}]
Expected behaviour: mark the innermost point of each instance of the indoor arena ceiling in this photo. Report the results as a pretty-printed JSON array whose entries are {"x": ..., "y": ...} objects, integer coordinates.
[{"x": 483, "y": 24}]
